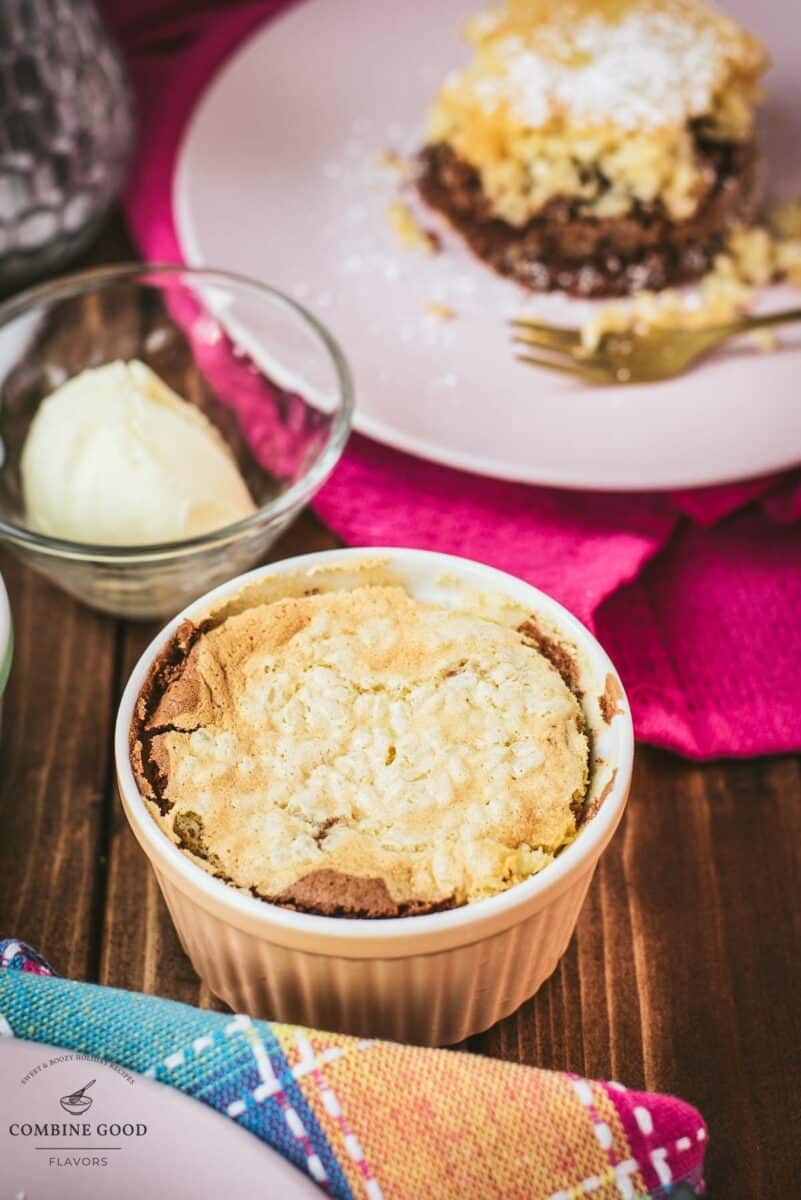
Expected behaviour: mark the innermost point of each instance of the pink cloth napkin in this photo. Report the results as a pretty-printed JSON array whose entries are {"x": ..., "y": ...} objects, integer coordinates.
[{"x": 695, "y": 594}]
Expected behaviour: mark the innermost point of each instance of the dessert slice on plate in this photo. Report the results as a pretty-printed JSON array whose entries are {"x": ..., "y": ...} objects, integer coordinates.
[{"x": 597, "y": 146}]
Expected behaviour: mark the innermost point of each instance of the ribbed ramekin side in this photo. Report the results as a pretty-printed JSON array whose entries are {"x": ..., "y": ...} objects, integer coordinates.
[{"x": 428, "y": 999}]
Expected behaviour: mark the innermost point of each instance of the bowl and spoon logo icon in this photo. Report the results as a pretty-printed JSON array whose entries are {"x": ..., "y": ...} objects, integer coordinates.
[{"x": 77, "y": 1103}]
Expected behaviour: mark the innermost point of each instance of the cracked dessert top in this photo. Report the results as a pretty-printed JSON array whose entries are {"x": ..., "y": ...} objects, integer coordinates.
[
  {"x": 362, "y": 752},
  {"x": 587, "y": 88}
]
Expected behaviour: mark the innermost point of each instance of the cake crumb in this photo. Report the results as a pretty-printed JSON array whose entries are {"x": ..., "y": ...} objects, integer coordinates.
[
  {"x": 398, "y": 163},
  {"x": 788, "y": 260},
  {"x": 409, "y": 230},
  {"x": 764, "y": 340},
  {"x": 785, "y": 219},
  {"x": 753, "y": 257},
  {"x": 440, "y": 312}
]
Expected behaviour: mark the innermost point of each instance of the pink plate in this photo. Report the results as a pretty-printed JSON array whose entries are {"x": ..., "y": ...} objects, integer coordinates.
[
  {"x": 125, "y": 1136},
  {"x": 280, "y": 177}
]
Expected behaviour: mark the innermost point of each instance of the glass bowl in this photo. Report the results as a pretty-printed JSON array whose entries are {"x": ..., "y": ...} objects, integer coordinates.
[{"x": 262, "y": 369}]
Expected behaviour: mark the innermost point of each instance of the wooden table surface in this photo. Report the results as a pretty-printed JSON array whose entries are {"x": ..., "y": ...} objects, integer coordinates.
[{"x": 684, "y": 974}]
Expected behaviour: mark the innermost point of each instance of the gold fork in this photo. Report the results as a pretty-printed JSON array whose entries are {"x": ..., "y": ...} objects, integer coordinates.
[{"x": 633, "y": 357}]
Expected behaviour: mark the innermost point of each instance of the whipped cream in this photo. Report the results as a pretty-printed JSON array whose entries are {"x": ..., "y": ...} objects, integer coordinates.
[{"x": 114, "y": 457}]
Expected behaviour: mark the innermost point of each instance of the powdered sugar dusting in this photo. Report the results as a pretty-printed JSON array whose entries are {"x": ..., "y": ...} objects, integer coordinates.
[
  {"x": 371, "y": 261},
  {"x": 371, "y": 266},
  {"x": 649, "y": 70}
]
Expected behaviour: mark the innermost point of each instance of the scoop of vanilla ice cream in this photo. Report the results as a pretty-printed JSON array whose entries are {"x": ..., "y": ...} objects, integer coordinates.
[{"x": 114, "y": 457}]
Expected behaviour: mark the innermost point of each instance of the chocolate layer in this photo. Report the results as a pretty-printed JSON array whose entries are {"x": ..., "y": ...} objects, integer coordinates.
[
  {"x": 335, "y": 894},
  {"x": 563, "y": 248}
]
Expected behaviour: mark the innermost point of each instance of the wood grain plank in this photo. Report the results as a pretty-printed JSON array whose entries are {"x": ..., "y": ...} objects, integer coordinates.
[
  {"x": 54, "y": 762},
  {"x": 755, "y": 827},
  {"x": 684, "y": 975}
]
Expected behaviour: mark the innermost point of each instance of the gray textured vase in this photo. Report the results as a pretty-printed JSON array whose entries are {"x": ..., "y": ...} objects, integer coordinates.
[{"x": 66, "y": 132}]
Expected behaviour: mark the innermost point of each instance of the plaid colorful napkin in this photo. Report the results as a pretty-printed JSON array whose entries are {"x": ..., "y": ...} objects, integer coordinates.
[{"x": 370, "y": 1120}]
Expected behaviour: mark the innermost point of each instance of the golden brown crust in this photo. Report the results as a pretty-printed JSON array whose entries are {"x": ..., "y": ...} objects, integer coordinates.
[
  {"x": 594, "y": 805},
  {"x": 557, "y": 653},
  {"x": 610, "y": 701},
  {"x": 166, "y": 672},
  {"x": 359, "y": 752}
]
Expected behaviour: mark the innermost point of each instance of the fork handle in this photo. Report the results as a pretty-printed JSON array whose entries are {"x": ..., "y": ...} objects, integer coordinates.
[{"x": 764, "y": 321}]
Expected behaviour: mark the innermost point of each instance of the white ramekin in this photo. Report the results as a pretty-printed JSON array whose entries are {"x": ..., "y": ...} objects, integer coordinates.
[{"x": 433, "y": 979}]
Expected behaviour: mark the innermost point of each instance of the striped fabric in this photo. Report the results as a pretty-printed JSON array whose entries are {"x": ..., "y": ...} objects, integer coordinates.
[{"x": 368, "y": 1120}]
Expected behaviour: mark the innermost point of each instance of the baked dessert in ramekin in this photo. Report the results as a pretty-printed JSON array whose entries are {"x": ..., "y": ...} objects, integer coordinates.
[
  {"x": 360, "y": 752},
  {"x": 597, "y": 146},
  {"x": 373, "y": 786}
]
